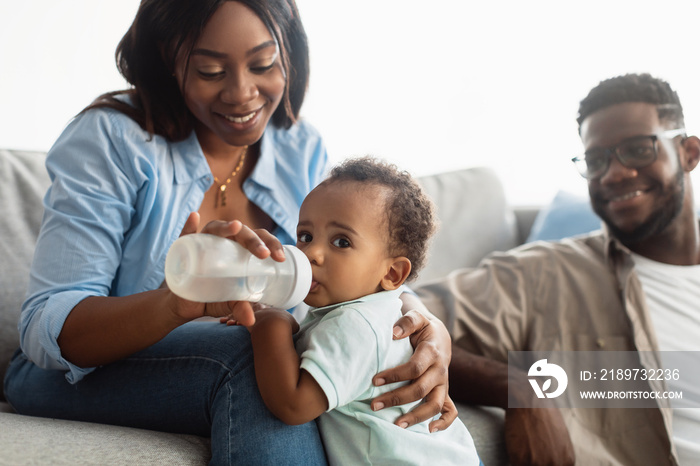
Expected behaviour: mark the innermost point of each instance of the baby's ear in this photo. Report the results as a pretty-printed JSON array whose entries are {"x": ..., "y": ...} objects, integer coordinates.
[{"x": 397, "y": 272}]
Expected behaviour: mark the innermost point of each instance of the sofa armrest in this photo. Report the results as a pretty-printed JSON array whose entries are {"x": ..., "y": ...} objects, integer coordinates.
[{"x": 23, "y": 183}]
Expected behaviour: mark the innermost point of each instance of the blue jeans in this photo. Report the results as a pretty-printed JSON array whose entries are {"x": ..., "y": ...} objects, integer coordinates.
[{"x": 200, "y": 379}]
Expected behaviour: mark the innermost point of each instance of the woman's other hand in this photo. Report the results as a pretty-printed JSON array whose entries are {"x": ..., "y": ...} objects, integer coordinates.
[{"x": 427, "y": 371}]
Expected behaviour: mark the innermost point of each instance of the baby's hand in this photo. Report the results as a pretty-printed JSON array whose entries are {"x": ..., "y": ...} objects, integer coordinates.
[
  {"x": 270, "y": 316},
  {"x": 229, "y": 320}
]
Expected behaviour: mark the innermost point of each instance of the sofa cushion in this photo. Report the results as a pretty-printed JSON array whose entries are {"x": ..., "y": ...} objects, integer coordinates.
[
  {"x": 567, "y": 215},
  {"x": 474, "y": 220},
  {"x": 486, "y": 425},
  {"x": 53, "y": 441},
  {"x": 23, "y": 183}
]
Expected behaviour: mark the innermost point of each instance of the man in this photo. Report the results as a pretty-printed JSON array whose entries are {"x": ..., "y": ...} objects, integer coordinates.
[{"x": 633, "y": 287}]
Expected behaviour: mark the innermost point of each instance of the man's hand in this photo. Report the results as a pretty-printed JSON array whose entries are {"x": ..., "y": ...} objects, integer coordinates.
[
  {"x": 534, "y": 436},
  {"x": 537, "y": 436}
]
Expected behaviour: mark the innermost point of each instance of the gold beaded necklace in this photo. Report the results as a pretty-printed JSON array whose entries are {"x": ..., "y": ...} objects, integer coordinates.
[{"x": 221, "y": 192}]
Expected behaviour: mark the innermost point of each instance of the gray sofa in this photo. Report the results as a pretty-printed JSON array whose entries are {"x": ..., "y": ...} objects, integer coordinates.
[{"x": 475, "y": 220}]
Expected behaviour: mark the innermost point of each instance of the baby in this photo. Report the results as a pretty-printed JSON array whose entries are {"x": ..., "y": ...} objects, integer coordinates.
[{"x": 365, "y": 230}]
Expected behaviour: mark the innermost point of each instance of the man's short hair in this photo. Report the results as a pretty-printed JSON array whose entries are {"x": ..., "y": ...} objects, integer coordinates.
[
  {"x": 410, "y": 213},
  {"x": 633, "y": 88}
]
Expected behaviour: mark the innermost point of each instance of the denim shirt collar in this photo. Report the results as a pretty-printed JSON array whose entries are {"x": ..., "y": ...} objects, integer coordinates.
[
  {"x": 189, "y": 162},
  {"x": 266, "y": 164}
]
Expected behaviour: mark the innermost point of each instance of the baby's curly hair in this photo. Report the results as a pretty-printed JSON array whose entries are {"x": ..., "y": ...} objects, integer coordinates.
[{"x": 411, "y": 218}]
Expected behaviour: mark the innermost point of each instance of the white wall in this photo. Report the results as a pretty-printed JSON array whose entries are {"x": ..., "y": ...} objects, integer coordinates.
[{"x": 431, "y": 86}]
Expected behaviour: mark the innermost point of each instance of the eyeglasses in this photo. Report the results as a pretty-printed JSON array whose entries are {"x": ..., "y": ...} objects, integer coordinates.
[{"x": 635, "y": 152}]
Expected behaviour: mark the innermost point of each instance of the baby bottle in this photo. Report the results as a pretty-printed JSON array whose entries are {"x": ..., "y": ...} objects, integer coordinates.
[{"x": 207, "y": 268}]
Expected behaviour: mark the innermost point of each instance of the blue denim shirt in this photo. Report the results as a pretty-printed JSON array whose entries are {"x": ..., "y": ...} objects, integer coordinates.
[{"x": 119, "y": 198}]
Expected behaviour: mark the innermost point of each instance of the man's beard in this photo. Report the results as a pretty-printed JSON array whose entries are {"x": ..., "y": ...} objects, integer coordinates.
[{"x": 671, "y": 206}]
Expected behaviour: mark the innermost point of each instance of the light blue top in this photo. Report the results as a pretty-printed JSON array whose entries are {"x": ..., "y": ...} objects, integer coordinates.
[
  {"x": 118, "y": 200},
  {"x": 343, "y": 346}
]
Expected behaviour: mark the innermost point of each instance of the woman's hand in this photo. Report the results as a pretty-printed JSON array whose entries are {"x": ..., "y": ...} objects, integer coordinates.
[
  {"x": 260, "y": 243},
  {"x": 427, "y": 371}
]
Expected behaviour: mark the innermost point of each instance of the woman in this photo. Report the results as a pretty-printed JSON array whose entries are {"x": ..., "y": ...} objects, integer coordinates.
[{"x": 188, "y": 149}]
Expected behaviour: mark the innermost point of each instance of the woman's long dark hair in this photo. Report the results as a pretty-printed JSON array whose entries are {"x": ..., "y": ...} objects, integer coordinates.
[{"x": 164, "y": 29}]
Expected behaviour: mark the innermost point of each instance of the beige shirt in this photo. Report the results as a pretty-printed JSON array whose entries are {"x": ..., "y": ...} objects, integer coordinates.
[{"x": 579, "y": 294}]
